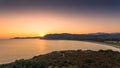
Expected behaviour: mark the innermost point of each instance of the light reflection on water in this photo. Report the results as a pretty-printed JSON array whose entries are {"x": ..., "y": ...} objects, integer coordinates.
[{"x": 11, "y": 50}]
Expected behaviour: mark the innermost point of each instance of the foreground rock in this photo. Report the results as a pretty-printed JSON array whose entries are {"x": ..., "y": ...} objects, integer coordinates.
[{"x": 70, "y": 59}]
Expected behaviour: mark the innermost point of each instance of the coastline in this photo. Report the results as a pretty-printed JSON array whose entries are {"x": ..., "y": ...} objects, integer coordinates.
[
  {"x": 99, "y": 42},
  {"x": 109, "y": 44},
  {"x": 96, "y": 42}
]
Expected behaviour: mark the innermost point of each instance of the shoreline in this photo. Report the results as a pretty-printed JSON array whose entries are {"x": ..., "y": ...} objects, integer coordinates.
[
  {"x": 96, "y": 42},
  {"x": 109, "y": 44}
]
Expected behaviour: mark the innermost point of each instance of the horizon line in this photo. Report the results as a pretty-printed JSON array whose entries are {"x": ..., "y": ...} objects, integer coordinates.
[{"x": 64, "y": 33}]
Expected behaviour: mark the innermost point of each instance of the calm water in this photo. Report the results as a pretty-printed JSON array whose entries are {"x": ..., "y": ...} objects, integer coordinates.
[{"x": 11, "y": 50}]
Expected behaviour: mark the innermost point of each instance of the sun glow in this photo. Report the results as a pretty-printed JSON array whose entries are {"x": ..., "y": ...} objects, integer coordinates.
[
  {"x": 42, "y": 34},
  {"x": 40, "y": 23}
]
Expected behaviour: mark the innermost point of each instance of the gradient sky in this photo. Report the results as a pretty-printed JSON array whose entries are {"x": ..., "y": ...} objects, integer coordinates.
[{"x": 64, "y": 17}]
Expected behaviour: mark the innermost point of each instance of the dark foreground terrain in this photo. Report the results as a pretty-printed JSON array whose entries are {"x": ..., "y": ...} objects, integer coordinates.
[{"x": 70, "y": 59}]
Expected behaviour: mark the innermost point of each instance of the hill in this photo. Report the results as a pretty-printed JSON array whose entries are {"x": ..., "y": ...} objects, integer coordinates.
[
  {"x": 70, "y": 59},
  {"x": 85, "y": 37}
]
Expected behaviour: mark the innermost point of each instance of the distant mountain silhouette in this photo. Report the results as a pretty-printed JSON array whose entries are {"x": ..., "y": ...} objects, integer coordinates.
[
  {"x": 84, "y": 37},
  {"x": 26, "y": 37},
  {"x": 90, "y": 37}
]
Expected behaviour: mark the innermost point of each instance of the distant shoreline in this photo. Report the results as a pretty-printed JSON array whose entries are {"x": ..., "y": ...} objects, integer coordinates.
[
  {"x": 112, "y": 39},
  {"x": 98, "y": 42},
  {"x": 114, "y": 45},
  {"x": 110, "y": 44}
]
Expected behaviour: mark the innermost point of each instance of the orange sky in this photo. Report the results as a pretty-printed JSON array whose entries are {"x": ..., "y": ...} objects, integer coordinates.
[{"x": 38, "y": 23}]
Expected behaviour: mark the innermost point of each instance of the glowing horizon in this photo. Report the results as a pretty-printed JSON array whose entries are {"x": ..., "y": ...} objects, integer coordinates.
[{"x": 40, "y": 23}]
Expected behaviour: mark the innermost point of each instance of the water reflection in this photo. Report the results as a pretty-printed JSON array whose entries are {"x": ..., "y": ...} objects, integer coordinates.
[
  {"x": 41, "y": 47},
  {"x": 17, "y": 49}
]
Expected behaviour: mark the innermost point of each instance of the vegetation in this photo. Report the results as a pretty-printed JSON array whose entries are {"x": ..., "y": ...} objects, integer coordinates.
[
  {"x": 110, "y": 38},
  {"x": 101, "y": 37},
  {"x": 83, "y": 37},
  {"x": 70, "y": 59},
  {"x": 113, "y": 42},
  {"x": 113, "y": 38}
]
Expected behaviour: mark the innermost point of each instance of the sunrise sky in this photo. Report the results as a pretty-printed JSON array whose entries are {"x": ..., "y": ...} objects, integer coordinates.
[{"x": 44, "y": 20}]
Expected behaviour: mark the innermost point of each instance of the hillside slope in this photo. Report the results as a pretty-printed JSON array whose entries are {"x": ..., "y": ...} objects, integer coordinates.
[{"x": 70, "y": 59}]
